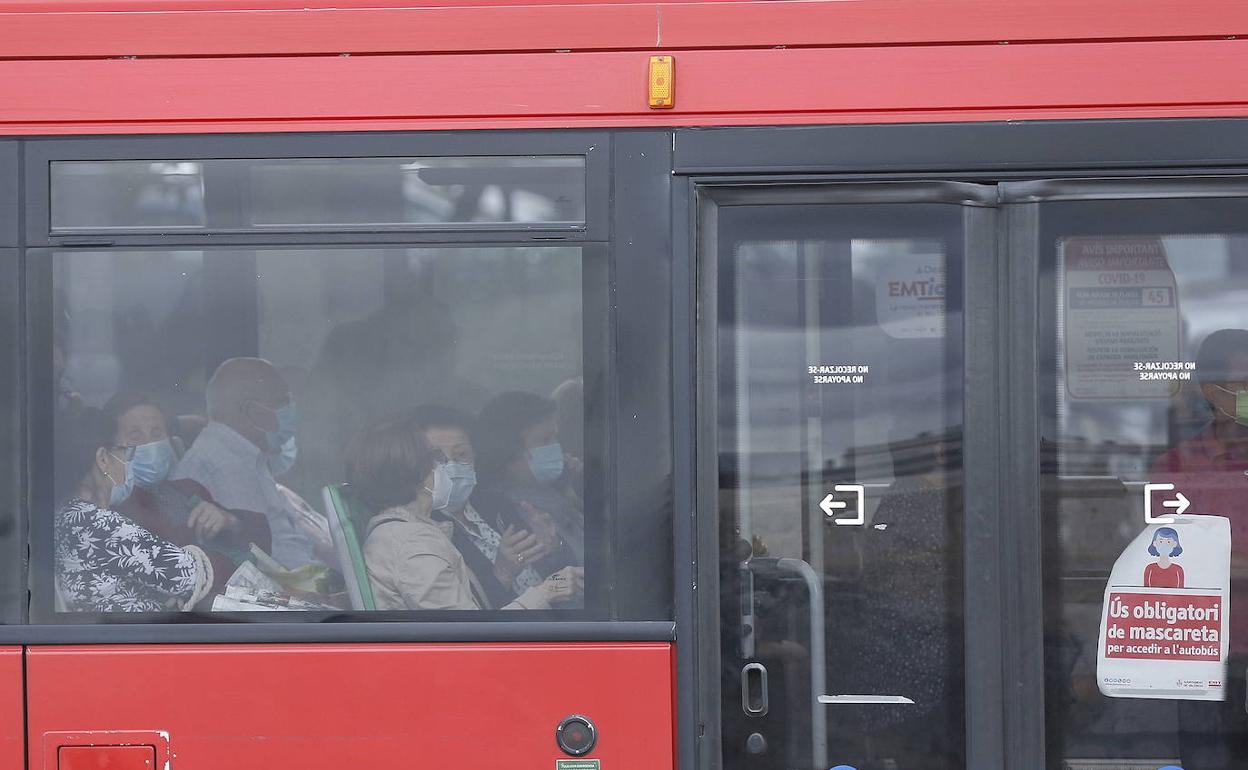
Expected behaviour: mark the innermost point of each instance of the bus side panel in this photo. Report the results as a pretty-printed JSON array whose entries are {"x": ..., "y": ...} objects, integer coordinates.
[
  {"x": 377, "y": 705},
  {"x": 11, "y": 729}
]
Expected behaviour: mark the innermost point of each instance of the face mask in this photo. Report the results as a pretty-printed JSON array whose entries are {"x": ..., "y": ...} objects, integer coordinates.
[
  {"x": 152, "y": 463},
  {"x": 121, "y": 492},
  {"x": 280, "y": 462},
  {"x": 463, "y": 480},
  {"x": 287, "y": 422},
  {"x": 546, "y": 462},
  {"x": 441, "y": 492},
  {"x": 1241, "y": 405}
]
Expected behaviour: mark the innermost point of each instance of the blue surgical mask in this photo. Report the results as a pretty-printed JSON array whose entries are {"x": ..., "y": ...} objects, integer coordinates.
[
  {"x": 463, "y": 480},
  {"x": 151, "y": 463},
  {"x": 441, "y": 492},
  {"x": 546, "y": 462},
  {"x": 280, "y": 462},
  {"x": 121, "y": 492},
  {"x": 287, "y": 423}
]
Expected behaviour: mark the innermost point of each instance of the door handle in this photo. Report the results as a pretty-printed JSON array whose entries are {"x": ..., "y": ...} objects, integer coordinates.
[{"x": 754, "y": 689}]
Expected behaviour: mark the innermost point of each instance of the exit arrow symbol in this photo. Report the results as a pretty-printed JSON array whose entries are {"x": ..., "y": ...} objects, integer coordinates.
[
  {"x": 829, "y": 505},
  {"x": 1179, "y": 505}
]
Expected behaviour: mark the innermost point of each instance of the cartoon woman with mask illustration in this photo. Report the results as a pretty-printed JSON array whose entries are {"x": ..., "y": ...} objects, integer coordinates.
[{"x": 1163, "y": 573}]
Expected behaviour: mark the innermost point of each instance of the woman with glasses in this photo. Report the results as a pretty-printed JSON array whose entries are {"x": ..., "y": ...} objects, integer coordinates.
[
  {"x": 412, "y": 562},
  {"x": 105, "y": 561},
  {"x": 181, "y": 511}
]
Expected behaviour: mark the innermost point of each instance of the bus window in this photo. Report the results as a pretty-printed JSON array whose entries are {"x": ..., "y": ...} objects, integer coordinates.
[
  {"x": 105, "y": 196},
  {"x": 1145, "y": 470},
  {"x": 325, "y": 429}
]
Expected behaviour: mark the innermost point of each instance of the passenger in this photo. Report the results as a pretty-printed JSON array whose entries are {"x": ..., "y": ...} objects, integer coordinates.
[
  {"x": 525, "y": 475},
  {"x": 182, "y": 512},
  {"x": 1211, "y": 469},
  {"x": 499, "y": 554},
  {"x": 250, "y": 438},
  {"x": 104, "y": 561},
  {"x": 411, "y": 560}
]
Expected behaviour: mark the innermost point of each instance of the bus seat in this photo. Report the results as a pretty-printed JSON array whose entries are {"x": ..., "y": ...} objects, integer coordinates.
[{"x": 339, "y": 505}]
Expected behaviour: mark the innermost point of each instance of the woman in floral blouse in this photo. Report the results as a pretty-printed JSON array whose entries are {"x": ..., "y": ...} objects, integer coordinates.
[{"x": 105, "y": 562}]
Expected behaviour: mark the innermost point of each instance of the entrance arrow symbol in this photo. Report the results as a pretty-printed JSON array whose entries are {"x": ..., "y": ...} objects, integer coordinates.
[{"x": 1179, "y": 505}]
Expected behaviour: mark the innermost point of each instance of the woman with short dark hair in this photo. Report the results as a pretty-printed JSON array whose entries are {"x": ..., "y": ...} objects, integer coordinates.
[
  {"x": 105, "y": 562},
  {"x": 411, "y": 561},
  {"x": 182, "y": 511}
]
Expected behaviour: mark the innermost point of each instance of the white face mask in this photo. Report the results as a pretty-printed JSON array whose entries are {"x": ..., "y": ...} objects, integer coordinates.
[{"x": 442, "y": 484}]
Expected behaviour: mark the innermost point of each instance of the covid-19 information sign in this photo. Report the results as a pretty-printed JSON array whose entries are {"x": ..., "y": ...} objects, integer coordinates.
[{"x": 1120, "y": 309}]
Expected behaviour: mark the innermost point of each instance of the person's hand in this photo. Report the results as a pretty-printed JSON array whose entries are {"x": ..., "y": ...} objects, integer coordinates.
[
  {"x": 566, "y": 585},
  {"x": 208, "y": 521},
  {"x": 542, "y": 525},
  {"x": 517, "y": 550},
  {"x": 573, "y": 463}
]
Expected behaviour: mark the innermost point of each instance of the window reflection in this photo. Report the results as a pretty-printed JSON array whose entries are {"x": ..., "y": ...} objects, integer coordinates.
[
  {"x": 839, "y": 364},
  {"x": 318, "y": 192}
]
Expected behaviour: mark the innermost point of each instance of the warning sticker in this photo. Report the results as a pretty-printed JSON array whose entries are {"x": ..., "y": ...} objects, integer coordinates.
[
  {"x": 1164, "y": 623},
  {"x": 1121, "y": 312}
]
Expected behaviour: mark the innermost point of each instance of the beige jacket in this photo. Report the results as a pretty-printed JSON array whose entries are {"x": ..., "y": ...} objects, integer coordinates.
[{"x": 413, "y": 565}]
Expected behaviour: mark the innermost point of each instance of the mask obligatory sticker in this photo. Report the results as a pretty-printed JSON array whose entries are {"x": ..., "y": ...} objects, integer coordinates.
[{"x": 1165, "y": 619}]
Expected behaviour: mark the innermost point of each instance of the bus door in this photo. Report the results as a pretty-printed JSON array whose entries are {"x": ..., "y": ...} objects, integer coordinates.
[{"x": 830, "y": 449}]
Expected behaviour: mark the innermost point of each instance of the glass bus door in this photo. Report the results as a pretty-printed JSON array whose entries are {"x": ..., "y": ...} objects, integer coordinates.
[{"x": 832, "y": 349}]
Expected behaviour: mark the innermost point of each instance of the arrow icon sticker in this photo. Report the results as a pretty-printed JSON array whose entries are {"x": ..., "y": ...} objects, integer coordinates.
[
  {"x": 831, "y": 506},
  {"x": 1180, "y": 504}
]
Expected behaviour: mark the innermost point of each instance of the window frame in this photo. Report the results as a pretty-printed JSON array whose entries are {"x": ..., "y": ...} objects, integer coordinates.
[{"x": 618, "y": 297}]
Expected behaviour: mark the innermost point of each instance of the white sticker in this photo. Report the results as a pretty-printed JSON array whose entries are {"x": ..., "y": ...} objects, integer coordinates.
[
  {"x": 1121, "y": 313},
  {"x": 910, "y": 296}
]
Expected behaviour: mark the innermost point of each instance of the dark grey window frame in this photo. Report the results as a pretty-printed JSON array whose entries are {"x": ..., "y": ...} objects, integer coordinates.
[
  {"x": 633, "y": 406},
  {"x": 10, "y": 187}
]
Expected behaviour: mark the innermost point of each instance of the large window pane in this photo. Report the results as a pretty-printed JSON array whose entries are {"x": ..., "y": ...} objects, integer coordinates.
[
  {"x": 317, "y": 192},
  {"x": 279, "y": 374},
  {"x": 839, "y": 390},
  {"x": 1146, "y": 353}
]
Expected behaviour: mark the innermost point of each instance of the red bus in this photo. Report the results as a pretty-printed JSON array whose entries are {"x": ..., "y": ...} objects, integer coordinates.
[{"x": 730, "y": 385}]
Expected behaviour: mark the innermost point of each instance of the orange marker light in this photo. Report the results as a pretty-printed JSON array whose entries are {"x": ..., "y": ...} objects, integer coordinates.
[{"x": 662, "y": 83}]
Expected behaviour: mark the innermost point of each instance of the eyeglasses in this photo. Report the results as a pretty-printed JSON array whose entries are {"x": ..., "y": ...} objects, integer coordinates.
[{"x": 128, "y": 450}]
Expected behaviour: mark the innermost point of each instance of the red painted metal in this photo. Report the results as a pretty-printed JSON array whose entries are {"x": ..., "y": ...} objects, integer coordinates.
[
  {"x": 326, "y": 707},
  {"x": 237, "y": 27},
  {"x": 759, "y": 86},
  {"x": 12, "y": 722},
  {"x": 106, "y": 758}
]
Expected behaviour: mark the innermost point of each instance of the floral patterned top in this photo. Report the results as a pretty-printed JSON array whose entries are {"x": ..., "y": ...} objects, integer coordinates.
[{"x": 107, "y": 563}]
